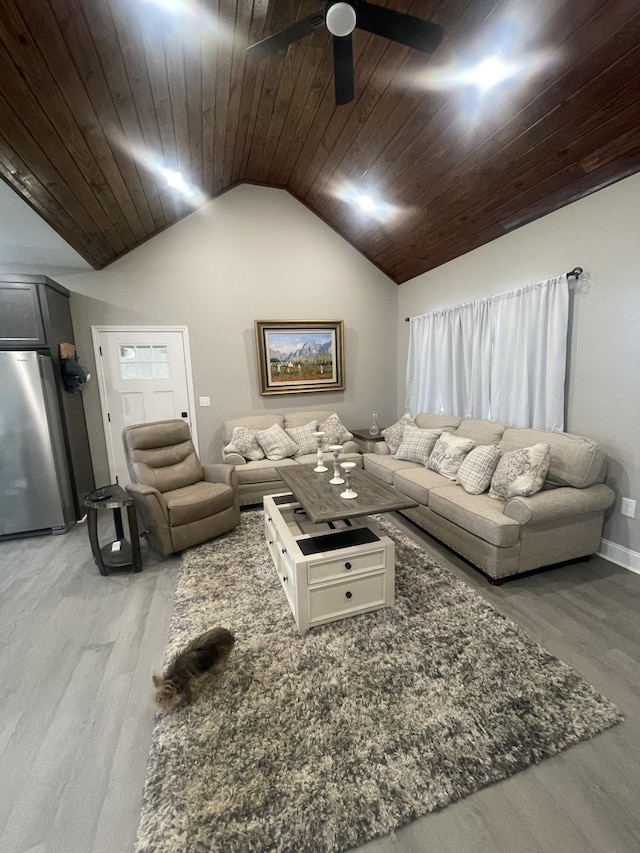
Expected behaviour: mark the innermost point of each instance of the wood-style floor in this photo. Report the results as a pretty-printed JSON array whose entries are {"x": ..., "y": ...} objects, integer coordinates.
[{"x": 76, "y": 715}]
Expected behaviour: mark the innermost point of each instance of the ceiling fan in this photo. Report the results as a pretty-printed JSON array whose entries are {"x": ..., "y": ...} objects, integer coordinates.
[{"x": 340, "y": 19}]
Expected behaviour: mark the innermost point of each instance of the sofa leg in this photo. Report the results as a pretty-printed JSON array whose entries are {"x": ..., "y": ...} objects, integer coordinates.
[{"x": 495, "y": 581}]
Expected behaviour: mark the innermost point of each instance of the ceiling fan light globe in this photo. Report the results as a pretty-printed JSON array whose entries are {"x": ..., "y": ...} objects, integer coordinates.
[{"x": 340, "y": 19}]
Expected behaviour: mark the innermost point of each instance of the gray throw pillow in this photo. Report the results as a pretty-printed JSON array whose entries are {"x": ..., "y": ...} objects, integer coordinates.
[
  {"x": 393, "y": 434},
  {"x": 521, "y": 472},
  {"x": 477, "y": 468},
  {"x": 417, "y": 444},
  {"x": 448, "y": 454},
  {"x": 335, "y": 432},
  {"x": 244, "y": 441},
  {"x": 276, "y": 443},
  {"x": 303, "y": 437}
]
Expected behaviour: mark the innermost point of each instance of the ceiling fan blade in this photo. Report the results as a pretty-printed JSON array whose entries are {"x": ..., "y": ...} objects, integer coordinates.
[
  {"x": 282, "y": 40},
  {"x": 406, "y": 29},
  {"x": 343, "y": 69}
]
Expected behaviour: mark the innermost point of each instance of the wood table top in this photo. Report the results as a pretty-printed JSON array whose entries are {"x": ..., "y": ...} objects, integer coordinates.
[{"x": 322, "y": 502}]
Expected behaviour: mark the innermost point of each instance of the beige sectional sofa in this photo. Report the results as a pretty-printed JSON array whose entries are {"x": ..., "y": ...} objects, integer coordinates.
[
  {"x": 258, "y": 477},
  {"x": 561, "y": 522}
]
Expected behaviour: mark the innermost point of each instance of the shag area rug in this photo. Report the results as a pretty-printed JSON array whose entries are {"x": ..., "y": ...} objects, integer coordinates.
[{"x": 324, "y": 741}]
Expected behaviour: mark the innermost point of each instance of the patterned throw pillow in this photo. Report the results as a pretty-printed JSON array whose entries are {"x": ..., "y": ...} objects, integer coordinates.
[
  {"x": 393, "y": 434},
  {"x": 417, "y": 444},
  {"x": 521, "y": 472},
  {"x": 335, "y": 432},
  {"x": 276, "y": 443},
  {"x": 477, "y": 468},
  {"x": 244, "y": 442},
  {"x": 303, "y": 437},
  {"x": 446, "y": 457}
]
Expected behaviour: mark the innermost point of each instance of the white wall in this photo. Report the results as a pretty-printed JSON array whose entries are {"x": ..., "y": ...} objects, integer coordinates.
[
  {"x": 252, "y": 254},
  {"x": 600, "y": 233}
]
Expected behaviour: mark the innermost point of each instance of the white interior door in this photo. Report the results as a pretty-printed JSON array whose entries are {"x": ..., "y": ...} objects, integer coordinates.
[{"x": 144, "y": 374}]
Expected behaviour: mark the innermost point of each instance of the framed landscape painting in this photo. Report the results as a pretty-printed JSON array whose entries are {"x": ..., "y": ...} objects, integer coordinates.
[{"x": 297, "y": 356}]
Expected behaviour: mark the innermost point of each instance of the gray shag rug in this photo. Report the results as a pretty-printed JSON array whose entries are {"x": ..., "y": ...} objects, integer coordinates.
[{"x": 324, "y": 741}]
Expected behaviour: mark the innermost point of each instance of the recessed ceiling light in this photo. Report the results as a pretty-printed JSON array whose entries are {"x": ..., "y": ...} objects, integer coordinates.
[
  {"x": 366, "y": 203},
  {"x": 174, "y": 179},
  {"x": 490, "y": 72}
]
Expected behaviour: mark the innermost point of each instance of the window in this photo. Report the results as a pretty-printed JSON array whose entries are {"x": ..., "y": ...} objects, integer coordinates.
[{"x": 141, "y": 361}]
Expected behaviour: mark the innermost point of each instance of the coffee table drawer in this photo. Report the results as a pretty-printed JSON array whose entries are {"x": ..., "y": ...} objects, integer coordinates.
[
  {"x": 337, "y": 600},
  {"x": 346, "y": 565}
]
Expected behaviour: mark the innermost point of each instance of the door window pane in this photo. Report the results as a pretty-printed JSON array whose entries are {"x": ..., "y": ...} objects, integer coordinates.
[{"x": 141, "y": 361}]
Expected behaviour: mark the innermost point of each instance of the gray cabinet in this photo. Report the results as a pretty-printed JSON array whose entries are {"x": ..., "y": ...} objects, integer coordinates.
[{"x": 21, "y": 323}]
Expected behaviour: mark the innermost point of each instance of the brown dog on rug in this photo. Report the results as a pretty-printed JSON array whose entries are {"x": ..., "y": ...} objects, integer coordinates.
[{"x": 180, "y": 682}]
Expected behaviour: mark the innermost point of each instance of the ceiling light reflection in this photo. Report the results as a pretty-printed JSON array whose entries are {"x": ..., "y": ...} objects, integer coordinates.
[
  {"x": 365, "y": 202},
  {"x": 172, "y": 177}
]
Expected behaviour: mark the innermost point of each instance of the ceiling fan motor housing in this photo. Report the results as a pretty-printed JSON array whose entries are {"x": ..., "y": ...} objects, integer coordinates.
[{"x": 340, "y": 19}]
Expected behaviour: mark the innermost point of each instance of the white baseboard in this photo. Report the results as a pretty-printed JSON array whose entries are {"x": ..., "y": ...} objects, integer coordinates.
[{"x": 620, "y": 555}]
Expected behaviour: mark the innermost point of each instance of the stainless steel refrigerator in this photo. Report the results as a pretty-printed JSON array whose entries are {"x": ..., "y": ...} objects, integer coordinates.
[{"x": 36, "y": 493}]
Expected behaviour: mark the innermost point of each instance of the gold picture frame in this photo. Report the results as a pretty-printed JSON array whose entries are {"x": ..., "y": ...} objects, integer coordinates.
[{"x": 300, "y": 356}]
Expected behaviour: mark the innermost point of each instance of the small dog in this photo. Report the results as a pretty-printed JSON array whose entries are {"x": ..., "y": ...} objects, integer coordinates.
[{"x": 180, "y": 681}]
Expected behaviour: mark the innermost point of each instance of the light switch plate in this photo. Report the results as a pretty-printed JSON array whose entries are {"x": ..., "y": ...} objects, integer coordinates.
[
  {"x": 628, "y": 507},
  {"x": 205, "y": 401}
]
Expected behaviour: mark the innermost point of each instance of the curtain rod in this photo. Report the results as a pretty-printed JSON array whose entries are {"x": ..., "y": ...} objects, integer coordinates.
[{"x": 576, "y": 272}]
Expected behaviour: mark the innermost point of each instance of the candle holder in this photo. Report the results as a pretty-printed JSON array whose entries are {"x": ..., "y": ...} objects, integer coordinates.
[
  {"x": 320, "y": 466},
  {"x": 336, "y": 480},
  {"x": 348, "y": 493}
]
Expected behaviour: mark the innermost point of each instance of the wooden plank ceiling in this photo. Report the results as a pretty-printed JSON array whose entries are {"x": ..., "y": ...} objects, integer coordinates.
[{"x": 95, "y": 95}]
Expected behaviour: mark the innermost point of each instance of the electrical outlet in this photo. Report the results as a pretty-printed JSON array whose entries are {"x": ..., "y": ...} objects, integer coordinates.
[
  {"x": 205, "y": 401},
  {"x": 628, "y": 507}
]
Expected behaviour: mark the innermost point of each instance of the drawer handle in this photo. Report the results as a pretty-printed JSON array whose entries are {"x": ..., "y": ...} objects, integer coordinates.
[
  {"x": 270, "y": 541},
  {"x": 348, "y": 594},
  {"x": 269, "y": 518},
  {"x": 285, "y": 578},
  {"x": 347, "y": 566},
  {"x": 284, "y": 550}
]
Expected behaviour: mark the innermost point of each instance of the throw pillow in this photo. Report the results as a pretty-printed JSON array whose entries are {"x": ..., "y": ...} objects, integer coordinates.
[
  {"x": 335, "y": 432},
  {"x": 477, "y": 468},
  {"x": 393, "y": 434},
  {"x": 244, "y": 442},
  {"x": 448, "y": 453},
  {"x": 303, "y": 437},
  {"x": 521, "y": 472},
  {"x": 417, "y": 444},
  {"x": 276, "y": 443}
]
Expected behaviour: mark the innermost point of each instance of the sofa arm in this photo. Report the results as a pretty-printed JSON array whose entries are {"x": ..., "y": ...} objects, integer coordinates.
[
  {"x": 381, "y": 448},
  {"x": 559, "y": 503},
  {"x": 220, "y": 472},
  {"x": 350, "y": 447},
  {"x": 233, "y": 459}
]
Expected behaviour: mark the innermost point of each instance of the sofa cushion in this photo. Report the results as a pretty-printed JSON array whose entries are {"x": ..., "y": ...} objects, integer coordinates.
[
  {"x": 575, "y": 461},
  {"x": 385, "y": 467},
  {"x": 482, "y": 432},
  {"x": 417, "y": 444},
  {"x": 448, "y": 423},
  {"x": 297, "y": 419},
  {"x": 276, "y": 443},
  {"x": 417, "y": 483},
  {"x": 393, "y": 434},
  {"x": 477, "y": 514},
  {"x": 201, "y": 500},
  {"x": 448, "y": 453},
  {"x": 335, "y": 432},
  {"x": 520, "y": 472},
  {"x": 244, "y": 441},
  {"x": 264, "y": 471},
  {"x": 477, "y": 468},
  {"x": 303, "y": 437}
]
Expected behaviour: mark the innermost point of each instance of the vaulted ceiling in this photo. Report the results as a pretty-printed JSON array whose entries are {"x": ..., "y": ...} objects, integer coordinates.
[{"x": 98, "y": 96}]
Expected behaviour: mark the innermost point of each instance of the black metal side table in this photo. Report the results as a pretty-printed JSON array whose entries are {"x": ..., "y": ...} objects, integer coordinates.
[{"x": 118, "y": 554}]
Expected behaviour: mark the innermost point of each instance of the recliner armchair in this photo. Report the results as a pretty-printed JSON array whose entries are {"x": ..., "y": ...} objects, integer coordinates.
[{"x": 180, "y": 502}]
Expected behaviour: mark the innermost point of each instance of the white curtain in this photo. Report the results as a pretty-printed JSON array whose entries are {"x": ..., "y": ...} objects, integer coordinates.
[{"x": 502, "y": 358}]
